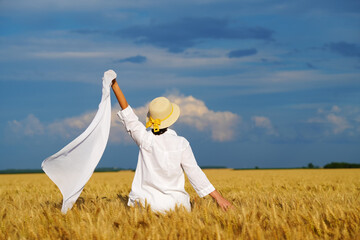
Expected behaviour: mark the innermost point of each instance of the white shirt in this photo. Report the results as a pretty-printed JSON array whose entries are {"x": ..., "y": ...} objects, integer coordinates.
[{"x": 159, "y": 177}]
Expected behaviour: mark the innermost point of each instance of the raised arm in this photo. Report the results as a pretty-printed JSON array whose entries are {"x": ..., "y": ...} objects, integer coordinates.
[{"x": 119, "y": 95}]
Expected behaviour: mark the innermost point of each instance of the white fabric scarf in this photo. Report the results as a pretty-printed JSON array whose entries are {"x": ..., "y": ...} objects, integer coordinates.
[{"x": 71, "y": 168}]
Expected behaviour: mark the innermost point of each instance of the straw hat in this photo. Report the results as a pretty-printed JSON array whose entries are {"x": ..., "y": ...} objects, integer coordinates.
[{"x": 162, "y": 114}]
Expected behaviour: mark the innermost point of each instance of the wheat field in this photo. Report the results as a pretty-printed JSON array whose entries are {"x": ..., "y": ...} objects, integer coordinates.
[{"x": 268, "y": 204}]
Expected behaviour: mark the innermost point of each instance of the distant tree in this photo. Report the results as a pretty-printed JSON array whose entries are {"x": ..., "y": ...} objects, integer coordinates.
[
  {"x": 310, "y": 165},
  {"x": 256, "y": 167},
  {"x": 342, "y": 165}
]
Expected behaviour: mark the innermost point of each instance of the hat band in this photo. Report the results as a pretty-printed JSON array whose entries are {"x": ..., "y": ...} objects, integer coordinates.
[{"x": 157, "y": 122}]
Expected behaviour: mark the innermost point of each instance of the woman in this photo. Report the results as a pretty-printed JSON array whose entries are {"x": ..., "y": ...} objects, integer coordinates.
[{"x": 163, "y": 158}]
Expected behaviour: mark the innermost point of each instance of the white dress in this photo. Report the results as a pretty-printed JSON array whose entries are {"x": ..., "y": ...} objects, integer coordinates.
[{"x": 159, "y": 177}]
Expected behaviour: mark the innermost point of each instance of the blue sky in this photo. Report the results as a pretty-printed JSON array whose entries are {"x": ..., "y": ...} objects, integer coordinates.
[{"x": 260, "y": 83}]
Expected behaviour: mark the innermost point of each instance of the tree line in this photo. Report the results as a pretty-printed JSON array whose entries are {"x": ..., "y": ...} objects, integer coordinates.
[{"x": 336, "y": 165}]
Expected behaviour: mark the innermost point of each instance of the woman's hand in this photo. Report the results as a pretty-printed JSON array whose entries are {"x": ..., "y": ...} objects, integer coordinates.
[
  {"x": 221, "y": 201},
  {"x": 109, "y": 77},
  {"x": 224, "y": 204}
]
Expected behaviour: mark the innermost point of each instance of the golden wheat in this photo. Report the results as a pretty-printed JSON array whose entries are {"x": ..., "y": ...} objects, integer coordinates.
[{"x": 268, "y": 204}]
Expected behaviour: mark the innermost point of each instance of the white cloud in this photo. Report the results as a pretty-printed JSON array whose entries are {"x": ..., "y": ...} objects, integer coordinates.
[
  {"x": 30, "y": 126},
  {"x": 69, "y": 127},
  {"x": 335, "y": 123},
  {"x": 265, "y": 123},
  {"x": 335, "y": 109},
  {"x": 339, "y": 124},
  {"x": 316, "y": 120},
  {"x": 194, "y": 113}
]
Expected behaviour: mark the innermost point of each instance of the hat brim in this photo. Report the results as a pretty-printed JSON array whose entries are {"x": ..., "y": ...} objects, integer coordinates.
[{"x": 170, "y": 120}]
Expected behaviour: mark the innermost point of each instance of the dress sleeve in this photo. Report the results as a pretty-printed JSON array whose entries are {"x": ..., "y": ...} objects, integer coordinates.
[
  {"x": 132, "y": 125},
  {"x": 196, "y": 176}
]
